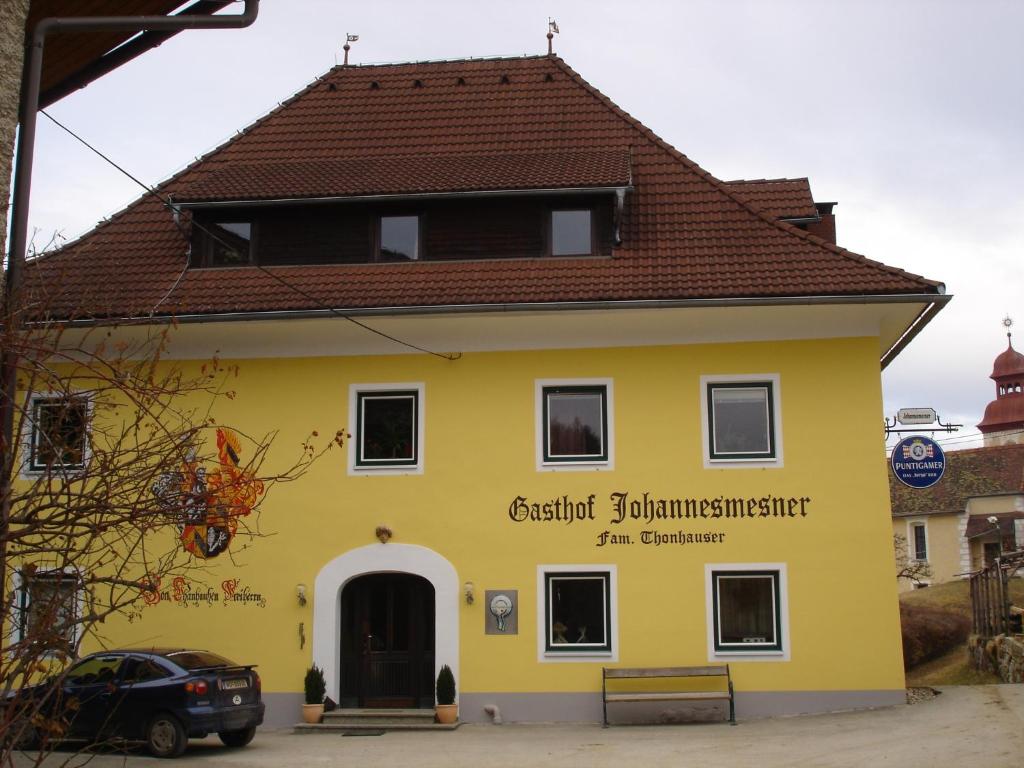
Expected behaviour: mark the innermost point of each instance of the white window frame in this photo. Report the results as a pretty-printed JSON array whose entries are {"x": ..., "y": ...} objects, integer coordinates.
[
  {"x": 354, "y": 391},
  {"x": 541, "y": 427},
  {"x": 912, "y": 542},
  {"x": 776, "y": 426},
  {"x": 22, "y": 604},
  {"x": 546, "y": 656},
  {"x": 715, "y": 654},
  {"x": 27, "y": 471}
]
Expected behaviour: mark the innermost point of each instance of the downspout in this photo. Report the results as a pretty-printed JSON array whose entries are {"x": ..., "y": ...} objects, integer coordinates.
[{"x": 23, "y": 157}]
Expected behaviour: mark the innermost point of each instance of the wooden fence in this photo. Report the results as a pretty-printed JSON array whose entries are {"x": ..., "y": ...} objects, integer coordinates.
[{"x": 990, "y": 595}]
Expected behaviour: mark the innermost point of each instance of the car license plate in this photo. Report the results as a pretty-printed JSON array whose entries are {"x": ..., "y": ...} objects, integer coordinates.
[{"x": 229, "y": 685}]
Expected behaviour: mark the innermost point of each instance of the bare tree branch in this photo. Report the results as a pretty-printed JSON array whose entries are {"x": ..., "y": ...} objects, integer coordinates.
[
  {"x": 121, "y": 478},
  {"x": 907, "y": 567}
]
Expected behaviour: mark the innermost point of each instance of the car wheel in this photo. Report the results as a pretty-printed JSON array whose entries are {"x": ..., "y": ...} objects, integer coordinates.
[
  {"x": 165, "y": 737},
  {"x": 238, "y": 738}
]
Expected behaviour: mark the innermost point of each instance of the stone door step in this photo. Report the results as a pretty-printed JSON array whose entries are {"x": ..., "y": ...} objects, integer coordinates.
[
  {"x": 342, "y": 728},
  {"x": 355, "y": 720}
]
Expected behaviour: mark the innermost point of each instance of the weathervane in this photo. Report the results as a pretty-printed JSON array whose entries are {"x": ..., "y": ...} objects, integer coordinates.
[
  {"x": 348, "y": 39},
  {"x": 552, "y": 31}
]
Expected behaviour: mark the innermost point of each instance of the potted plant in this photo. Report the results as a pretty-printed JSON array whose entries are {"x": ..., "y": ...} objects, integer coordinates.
[
  {"x": 316, "y": 687},
  {"x": 446, "y": 711}
]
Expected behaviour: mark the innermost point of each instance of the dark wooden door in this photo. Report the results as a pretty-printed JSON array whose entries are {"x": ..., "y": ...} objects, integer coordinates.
[{"x": 387, "y": 645}]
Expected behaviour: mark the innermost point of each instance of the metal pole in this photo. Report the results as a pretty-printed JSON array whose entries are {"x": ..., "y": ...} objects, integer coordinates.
[{"x": 24, "y": 153}]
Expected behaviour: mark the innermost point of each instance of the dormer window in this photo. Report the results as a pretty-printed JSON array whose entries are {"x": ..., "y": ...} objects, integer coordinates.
[
  {"x": 356, "y": 231},
  {"x": 399, "y": 238},
  {"x": 571, "y": 233},
  {"x": 223, "y": 243}
]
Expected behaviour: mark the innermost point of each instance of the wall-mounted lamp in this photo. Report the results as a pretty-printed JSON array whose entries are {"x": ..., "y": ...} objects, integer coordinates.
[
  {"x": 467, "y": 592},
  {"x": 300, "y": 591}
]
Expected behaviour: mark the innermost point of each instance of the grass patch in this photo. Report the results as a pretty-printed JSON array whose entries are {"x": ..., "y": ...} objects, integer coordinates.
[
  {"x": 953, "y": 668},
  {"x": 955, "y": 596}
]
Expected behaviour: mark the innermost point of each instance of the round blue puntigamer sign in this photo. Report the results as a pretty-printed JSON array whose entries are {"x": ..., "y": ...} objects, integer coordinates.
[{"x": 918, "y": 461}]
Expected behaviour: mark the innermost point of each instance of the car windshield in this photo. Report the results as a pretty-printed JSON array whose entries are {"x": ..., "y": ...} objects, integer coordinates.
[
  {"x": 96, "y": 669},
  {"x": 198, "y": 659}
]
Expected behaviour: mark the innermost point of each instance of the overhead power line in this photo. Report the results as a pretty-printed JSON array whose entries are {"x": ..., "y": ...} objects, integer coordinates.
[{"x": 177, "y": 210}]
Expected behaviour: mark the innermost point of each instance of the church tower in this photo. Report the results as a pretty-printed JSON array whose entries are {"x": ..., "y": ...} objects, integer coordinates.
[{"x": 1003, "y": 423}]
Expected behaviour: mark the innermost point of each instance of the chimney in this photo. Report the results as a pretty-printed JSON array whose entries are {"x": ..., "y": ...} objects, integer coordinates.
[{"x": 825, "y": 227}]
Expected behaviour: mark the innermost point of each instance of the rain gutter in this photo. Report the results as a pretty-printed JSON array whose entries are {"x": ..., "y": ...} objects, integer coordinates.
[
  {"x": 124, "y": 53},
  {"x": 23, "y": 158},
  {"x": 539, "y": 306},
  {"x": 534, "y": 192}
]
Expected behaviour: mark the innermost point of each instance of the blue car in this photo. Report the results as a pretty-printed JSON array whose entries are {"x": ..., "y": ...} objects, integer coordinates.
[{"x": 159, "y": 697}]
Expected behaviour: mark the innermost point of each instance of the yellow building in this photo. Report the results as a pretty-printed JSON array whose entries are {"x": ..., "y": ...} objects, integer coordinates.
[{"x": 656, "y": 442}]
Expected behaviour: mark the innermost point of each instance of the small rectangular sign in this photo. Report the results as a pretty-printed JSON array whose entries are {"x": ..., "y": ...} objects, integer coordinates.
[{"x": 916, "y": 415}]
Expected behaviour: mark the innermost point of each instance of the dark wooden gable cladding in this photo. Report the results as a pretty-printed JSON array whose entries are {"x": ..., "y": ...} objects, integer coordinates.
[{"x": 451, "y": 229}]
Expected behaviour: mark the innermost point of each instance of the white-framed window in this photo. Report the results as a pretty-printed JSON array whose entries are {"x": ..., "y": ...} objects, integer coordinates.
[
  {"x": 388, "y": 433},
  {"x": 49, "y": 608},
  {"x": 747, "y": 611},
  {"x": 575, "y": 428},
  {"x": 741, "y": 417},
  {"x": 572, "y": 232},
  {"x": 917, "y": 540},
  {"x": 577, "y": 612},
  {"x": 56, "y": 435}
]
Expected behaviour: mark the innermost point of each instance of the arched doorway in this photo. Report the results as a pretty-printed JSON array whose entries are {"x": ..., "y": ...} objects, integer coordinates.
[
  {"x": 379, "y": 559},
  {"x": 387, "y": 641}
]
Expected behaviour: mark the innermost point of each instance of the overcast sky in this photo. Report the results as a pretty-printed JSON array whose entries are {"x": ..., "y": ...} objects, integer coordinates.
[{"x": 908, "y": 113}]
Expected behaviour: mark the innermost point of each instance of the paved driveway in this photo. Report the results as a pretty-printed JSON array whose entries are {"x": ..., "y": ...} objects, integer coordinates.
[{"x": 978, "y": 726}]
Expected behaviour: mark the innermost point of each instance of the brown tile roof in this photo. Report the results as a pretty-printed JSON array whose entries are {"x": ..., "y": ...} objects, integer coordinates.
[
  {"x": 973, "y": 472},
  {"x": 979, "y": 524},
  {"x": 352, "y": 177},
  {"x": 685, "y": 234},
  {"x": 778, "y": 198}
]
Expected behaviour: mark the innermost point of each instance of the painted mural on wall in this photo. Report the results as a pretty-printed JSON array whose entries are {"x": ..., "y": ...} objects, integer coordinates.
[{"x": 211, "y": 500}]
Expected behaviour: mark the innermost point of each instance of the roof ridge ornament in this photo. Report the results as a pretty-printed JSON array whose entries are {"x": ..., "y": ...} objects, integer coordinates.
[
  {"x": 552, "y": 31},
  {"x": 349, "y": 38},
  {"x": 1008, "y": 324}
]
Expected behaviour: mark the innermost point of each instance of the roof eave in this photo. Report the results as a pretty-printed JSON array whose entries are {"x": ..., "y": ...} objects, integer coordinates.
[
  {"x": 533, "y": 192},
  {"x": 935, "y": 305}
]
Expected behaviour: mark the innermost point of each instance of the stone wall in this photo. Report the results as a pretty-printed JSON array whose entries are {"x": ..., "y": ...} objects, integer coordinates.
[
  {"x": 12, "y": 49},
  {"x": 1003, "y": 655}
]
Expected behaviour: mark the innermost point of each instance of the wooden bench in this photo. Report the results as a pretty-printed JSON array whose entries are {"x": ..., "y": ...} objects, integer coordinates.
[{"x": 650, "y": 673}]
